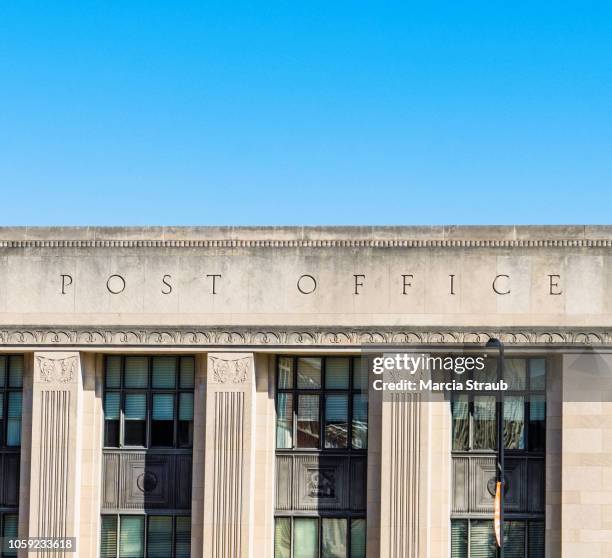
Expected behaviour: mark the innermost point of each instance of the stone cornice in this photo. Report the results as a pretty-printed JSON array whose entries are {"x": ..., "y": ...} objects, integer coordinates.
[
  {"x": 444, "y": 236},
  {"x": 299, "y": 336},
  {"x": 323, "y": 243}
]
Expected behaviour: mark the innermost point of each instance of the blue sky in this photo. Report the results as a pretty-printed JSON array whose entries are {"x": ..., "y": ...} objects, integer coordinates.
[{"x": 305, "y": 112}]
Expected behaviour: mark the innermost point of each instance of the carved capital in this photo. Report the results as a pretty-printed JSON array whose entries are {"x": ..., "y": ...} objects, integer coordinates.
[
  {"x": 56, "y": 370},
  {"x": 229, "y": 371}
]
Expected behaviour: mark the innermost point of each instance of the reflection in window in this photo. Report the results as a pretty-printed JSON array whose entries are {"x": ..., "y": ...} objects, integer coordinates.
[
  {"x": 514, "y": 422},
  {"x": 336, "y": 417},
  {"x": 308, "y": 421},
  {"x": 485, "y": 425}
]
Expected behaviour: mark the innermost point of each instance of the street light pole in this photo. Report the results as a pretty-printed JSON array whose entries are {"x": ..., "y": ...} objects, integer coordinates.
[{"x": 501, "y": 477}]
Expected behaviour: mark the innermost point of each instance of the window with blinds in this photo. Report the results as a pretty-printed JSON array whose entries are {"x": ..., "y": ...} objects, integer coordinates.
[
  {"x": 325, "y": 537},
  {"x": 522, "y": 412},
  {"x": 150, "y": 536},
  {"x": 322, "y": 409},
  {"x": 148, "y": 401},
  {"x": 11, "y": 388},
  {"x": 321, "y": 403}
]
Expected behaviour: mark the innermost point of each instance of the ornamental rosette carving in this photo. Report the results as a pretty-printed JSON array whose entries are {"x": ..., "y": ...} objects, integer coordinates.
[
  {"x": 225, "y": 371},
  {"x": 56, "y": 370}
]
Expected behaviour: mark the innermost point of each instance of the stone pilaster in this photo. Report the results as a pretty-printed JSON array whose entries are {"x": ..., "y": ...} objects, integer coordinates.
[
  {"x": 404, "y": 477},
  {"x": 55, "y": 451},
  {"x": 229, "y": 469}
]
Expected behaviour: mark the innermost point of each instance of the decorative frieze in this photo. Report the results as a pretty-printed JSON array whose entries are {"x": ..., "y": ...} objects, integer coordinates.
[{"x": 25, "y": 336}]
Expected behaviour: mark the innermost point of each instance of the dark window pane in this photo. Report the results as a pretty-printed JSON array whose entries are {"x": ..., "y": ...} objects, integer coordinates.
[
  {"x": 185, "y": 433},
  {"x": 537, "y": 374},
  {"x": 459, "y": 538},
  {"x": 108, "y": 539},
  {"x": 187, "y": 373},
  {"x": 111, "y": 433},
  {"x": 514, "y": 422},
  {"x": 358, "y": 538},
  {"x": 162, "y": 433},
  {"x": 284, "y": 421},
  {"x": 309, "y": 373},
  {"x": 482, "y": 539},
  {"x": 306, "y": 534},
  {"x": 282, "y": 537},
  {"x": 159, "y": 536},
  {"x": 113, "y": 372},
  {"x": 537, "y": 423},
  {"x": 285, "y": 372},
  {"x": 182, "y": 542},
  {"x": 333, "y": 538},
  {"x": 308, "y": 421},
  {"x": 337, "y": 373},
  {"x": 136, "y": 372},
  {"x": 360, "y": 422},
  {"x": 485, "y": 431},
  {"x": 336, "y": 421},
  {"x": 135, "y": 433},
  {"x": 514, "y": 539},
  {"x": 15, "y": 371},
  {"x": 164, "y": 372},
  {"x": 536, "y": 539},
  {"x": 131, "y": 541},
  {"x": 461, "y": 423}
]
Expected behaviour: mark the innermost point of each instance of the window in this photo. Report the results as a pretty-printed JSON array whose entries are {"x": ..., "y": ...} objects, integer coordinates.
[
  {"x": 322, "y": 429},
  {"x": 475, "y": 538},
  {"x": 9, "y": 523},
  {"x": 145, "y": 536},
  {"x": 11, "y": 387},
  {"x": 522, "y": 411},
  {"x": 325, "y": 537},
  {"x": 328, "y": 408},
  {"x": 148, "y": 401}
]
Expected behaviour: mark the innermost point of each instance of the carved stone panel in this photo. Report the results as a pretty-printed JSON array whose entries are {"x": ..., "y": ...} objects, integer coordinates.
[
  {"x": 284, "y": 482},
  {"x": 321, "y": 483},
  {"x": 143, "y": 480},
  {"x": 461, "y": 479},
  {"x": 482, "y": 488}
]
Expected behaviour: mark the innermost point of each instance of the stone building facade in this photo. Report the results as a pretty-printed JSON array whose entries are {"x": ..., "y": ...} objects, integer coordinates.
[{"x": 201, "y": 392}]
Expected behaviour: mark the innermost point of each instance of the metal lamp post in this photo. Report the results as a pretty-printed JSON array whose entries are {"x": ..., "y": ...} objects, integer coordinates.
[{"x": 497, "y": 344}]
